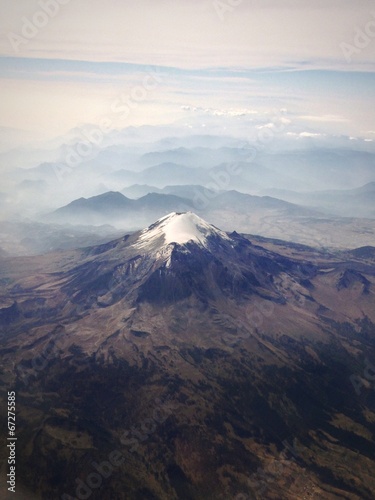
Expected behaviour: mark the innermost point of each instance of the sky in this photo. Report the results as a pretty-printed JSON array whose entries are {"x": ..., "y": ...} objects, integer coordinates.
[{"x": 64, "y": 63}]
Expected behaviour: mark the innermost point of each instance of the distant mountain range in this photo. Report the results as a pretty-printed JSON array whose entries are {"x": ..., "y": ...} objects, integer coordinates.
[
  {"x": 161, "y": 175},
  {"x": 358, "y": 202},
  {"x": 297, "y": 170},
  {"x": 115, "y": 208},
  {"x": 214, "y": 163},
  {"x": 263, "y": 215},
  {"x": 195, "y": 157},
  {"x": 323, "y": 187},
  {"x": 322, "y": 169}
]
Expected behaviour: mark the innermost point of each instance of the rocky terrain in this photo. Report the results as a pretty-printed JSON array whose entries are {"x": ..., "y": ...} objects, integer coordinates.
[{"x": 183, "y": 362}]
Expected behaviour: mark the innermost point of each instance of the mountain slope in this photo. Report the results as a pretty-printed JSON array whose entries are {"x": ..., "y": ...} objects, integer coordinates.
[
  {"x": 217, "y": 366},
  {"x": 115, "y": 208}
]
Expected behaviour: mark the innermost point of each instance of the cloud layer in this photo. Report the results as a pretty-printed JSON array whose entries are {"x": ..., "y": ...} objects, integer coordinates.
[{"x": 66, "y": 62}]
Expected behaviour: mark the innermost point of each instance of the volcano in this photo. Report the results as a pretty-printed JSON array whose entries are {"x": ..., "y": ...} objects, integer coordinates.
[
  {"x": 192, "y": 363},
  {"x": 178, "y": 256}
]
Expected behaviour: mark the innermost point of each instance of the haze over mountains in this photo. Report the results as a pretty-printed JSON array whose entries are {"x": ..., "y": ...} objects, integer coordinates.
[
  {"x": 117, "y": 209},
  {"x": 358, "y": 202},
  {"x": 187, "y": 250},
  {"x": 256, "y": 187},
  {"x": 224, "y": 283},
  {"x": 136, "y": 159}
]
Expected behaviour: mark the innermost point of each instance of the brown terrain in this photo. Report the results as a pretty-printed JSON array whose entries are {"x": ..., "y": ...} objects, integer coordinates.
[{"x": 243, "y": 369}]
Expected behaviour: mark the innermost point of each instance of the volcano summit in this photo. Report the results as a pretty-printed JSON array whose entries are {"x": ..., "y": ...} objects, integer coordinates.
[
  {"x": 178, "y": 256},
  {"x": 181, "y": 228}
]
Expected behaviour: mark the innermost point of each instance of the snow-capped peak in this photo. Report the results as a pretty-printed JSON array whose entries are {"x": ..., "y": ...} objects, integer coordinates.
[{"x": 179, "y": 228}]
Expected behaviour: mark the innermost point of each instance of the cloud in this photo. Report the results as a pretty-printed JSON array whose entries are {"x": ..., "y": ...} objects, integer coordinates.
[
  {"x": 262, "y": 56},
  {"x": 221, "y": 112},
  {"x": 309, "y": 134},
  {"x": 267, "y": 125},
  {"x": 260, "y": 33},
  {"x": 299, "y": 135},
  {"x": 324, "y": 118}
]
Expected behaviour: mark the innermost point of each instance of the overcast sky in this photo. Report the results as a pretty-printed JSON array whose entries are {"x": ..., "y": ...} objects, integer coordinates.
[{"x": 77, "y": 62}]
